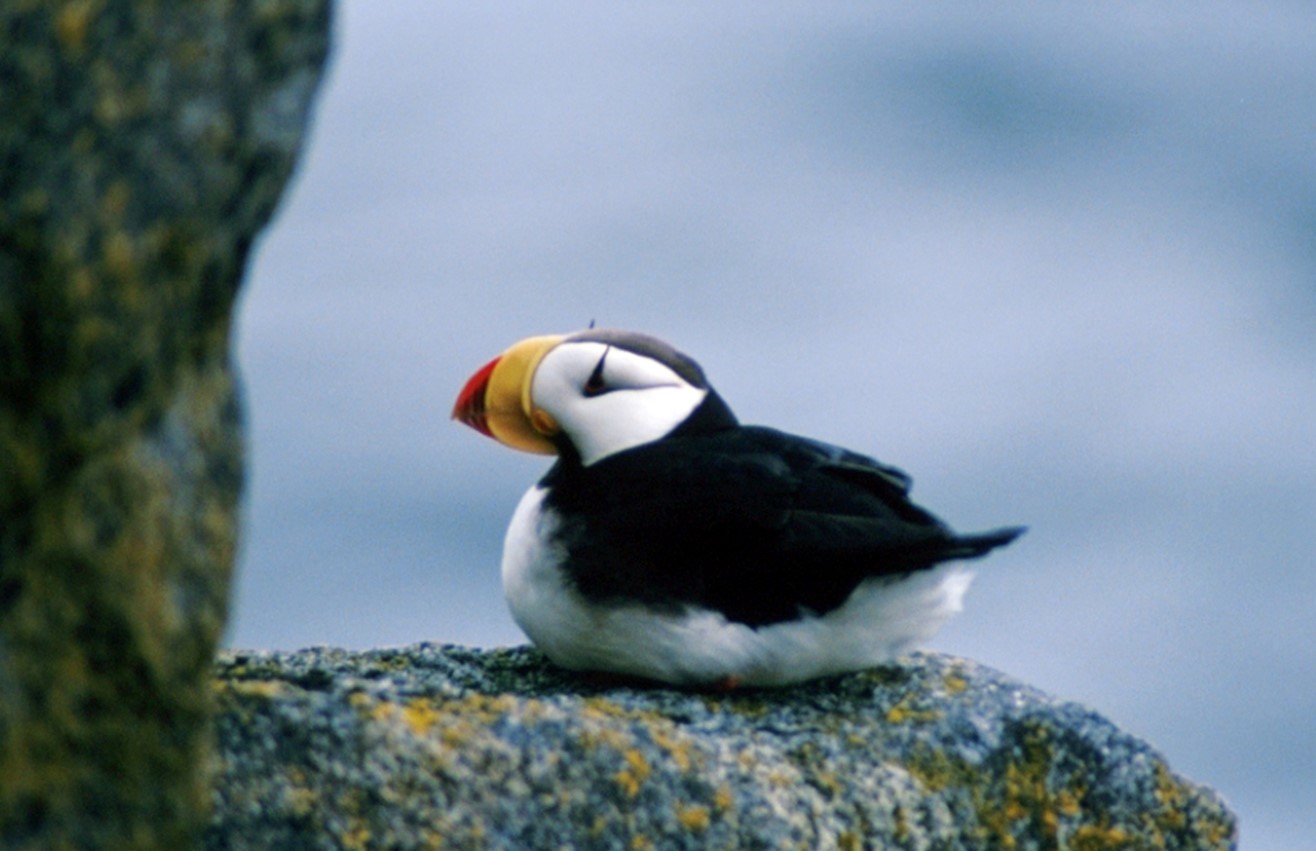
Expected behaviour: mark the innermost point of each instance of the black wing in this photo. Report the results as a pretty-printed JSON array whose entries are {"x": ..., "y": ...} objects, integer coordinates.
[{"x": 753, "y": 522}]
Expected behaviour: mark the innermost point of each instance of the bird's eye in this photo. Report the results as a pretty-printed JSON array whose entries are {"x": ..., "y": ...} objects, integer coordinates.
[{"x": 594, "y": 385}]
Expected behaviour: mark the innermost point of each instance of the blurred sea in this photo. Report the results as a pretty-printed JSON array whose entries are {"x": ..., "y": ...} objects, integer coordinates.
[{"x": 1057, "y": 262}]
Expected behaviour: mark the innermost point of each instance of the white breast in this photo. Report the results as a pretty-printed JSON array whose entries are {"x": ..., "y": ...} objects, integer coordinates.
[{"x": 882, "y": 619}]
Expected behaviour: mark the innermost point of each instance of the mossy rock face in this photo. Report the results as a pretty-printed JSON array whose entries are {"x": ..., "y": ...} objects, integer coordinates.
[
  {"x": 444, "y": 747},
  {"x": 143, "y": 146}
]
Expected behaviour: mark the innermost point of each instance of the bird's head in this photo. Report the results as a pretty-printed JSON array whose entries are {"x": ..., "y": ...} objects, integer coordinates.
[{"x": 594, "y": 393}]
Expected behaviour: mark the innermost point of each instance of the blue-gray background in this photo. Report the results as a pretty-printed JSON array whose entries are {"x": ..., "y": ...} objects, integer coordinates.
[{"x": 1056, "y": 260}]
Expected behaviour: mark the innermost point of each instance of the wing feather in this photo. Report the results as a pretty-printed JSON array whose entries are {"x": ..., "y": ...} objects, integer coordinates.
[{"x": 756, "y": 523}]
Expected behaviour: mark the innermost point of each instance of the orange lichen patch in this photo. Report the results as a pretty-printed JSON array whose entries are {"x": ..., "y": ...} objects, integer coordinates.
[{"x": 955, "y": 684}]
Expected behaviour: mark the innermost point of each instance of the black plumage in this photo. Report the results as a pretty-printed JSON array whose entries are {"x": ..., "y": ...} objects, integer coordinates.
[{"x": 755, "y": 523}]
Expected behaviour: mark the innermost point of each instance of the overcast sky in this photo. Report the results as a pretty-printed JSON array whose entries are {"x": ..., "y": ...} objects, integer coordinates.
[{"x": 1059, "y": 265}]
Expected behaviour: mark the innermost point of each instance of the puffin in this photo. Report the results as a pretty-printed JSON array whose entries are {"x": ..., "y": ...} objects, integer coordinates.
[{"x": 668, "y": 542}]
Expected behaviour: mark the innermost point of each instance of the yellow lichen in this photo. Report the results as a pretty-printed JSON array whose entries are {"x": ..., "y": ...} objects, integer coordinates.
[
  {"x": 1091, "y": 837},
  {"x": 608, "y": 737},
  {"x": 1068, "y": 802},
  {"x": 357, "y": 837},
  {"x": 695, "y": 817},
  {"x": 420, "y": 716},
  {"x": 73, "y": 21},
  {"x": 677, "y": 749},
  {"x": 902, "y": 824},
  {"x": 637, "y": 770},
  {"x": 1170, "y": 795},
  {"x": 1027, "y": 794},
  {"x": 722, "y": 798},
  {"x": 955, "y": 684},
  {"x": 599, "y": 707},
  {"x": 115, "y": 200},
  {"x": 828, "y": 782},
  {"x": 268, "y": 689},
  {"x": 119, "y": 253},
  {"x": 905, "y": 711},
  {"x": 1217, "y": 834},
  {"x": 454, "y": 735},
  {"x": 301, "y": 801}
]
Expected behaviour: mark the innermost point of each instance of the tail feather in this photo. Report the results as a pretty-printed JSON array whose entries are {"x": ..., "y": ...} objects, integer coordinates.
[{"x": 981, "y": 543}]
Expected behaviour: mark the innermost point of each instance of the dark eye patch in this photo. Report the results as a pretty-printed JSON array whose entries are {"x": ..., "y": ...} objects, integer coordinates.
[
  {"x": 595, "y": 385},
  {"x": 652, "y": 347}
]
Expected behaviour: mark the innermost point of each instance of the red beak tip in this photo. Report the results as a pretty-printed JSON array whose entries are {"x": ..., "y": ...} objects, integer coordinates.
[{"x": 469, "y": 408}]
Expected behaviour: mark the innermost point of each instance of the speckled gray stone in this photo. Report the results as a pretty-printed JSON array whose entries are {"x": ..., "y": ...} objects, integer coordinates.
[
  {"x": 444, "y": 747},
  {"x": 142, "y": 147}
]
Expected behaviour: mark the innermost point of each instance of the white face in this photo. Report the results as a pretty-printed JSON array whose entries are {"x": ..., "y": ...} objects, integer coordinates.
[{"x": 608, "y": 399}]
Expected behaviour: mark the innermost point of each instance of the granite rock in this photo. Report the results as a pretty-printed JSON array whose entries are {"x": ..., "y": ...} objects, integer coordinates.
[
  {"x": 443, "y": 747},
  {"x": 142, "y": 147}
]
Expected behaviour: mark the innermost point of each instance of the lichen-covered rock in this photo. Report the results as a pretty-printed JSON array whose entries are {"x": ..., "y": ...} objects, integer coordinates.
[
  {"x": 142, "y": 146},
  {"x": 443, "y": 747}
]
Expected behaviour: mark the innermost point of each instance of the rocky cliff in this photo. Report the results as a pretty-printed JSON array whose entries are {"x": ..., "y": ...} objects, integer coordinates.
[
  {"x": 443, "y": 747},
  {"x": 143, "y": 145}
]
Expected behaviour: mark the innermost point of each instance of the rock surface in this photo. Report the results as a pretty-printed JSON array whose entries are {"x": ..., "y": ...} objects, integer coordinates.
[
  {"x": 444, "y": 747},
  {"x": 142, "y": 147}
]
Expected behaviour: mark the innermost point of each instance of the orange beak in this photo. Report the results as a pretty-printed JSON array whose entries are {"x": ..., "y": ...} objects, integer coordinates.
[{"x": 496, "y": 401}]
